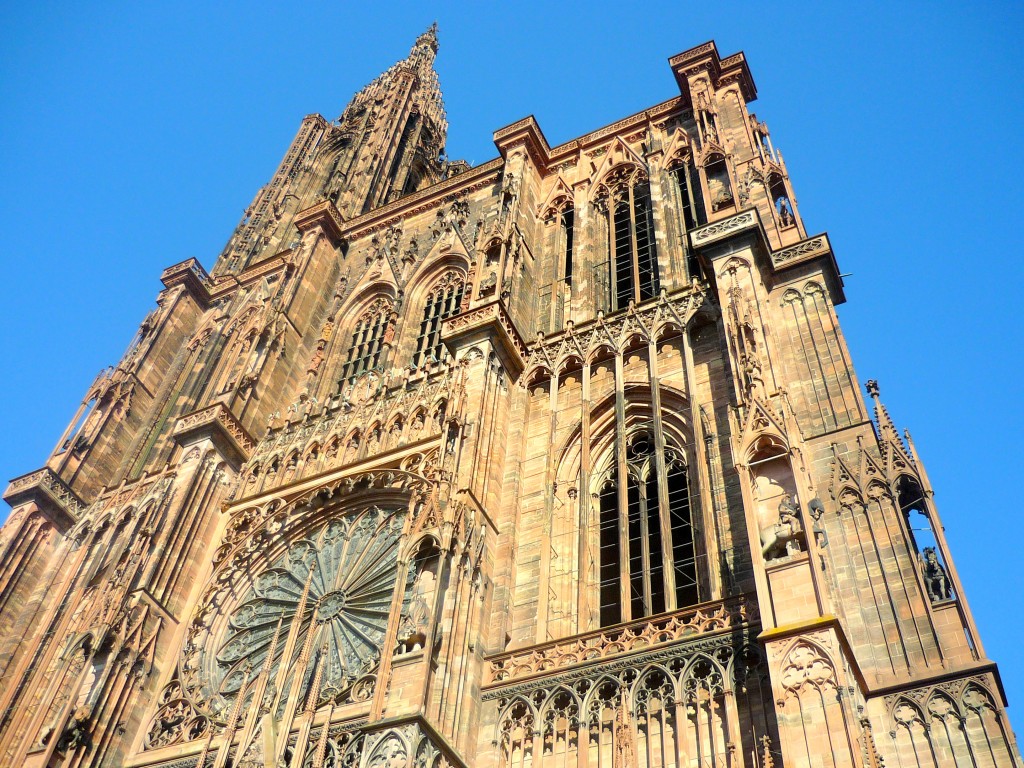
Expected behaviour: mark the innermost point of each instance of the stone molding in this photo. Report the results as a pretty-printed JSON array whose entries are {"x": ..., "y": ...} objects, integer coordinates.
[
  {"x": 549, "y": 355},
  {"x": 719, "y": 230},
  {"x": 803, "y": 251},
  {"x": 727, "y": 615},
  {"x": 189, "y": 273},
  {"x": 324, "y": 215},
  {"x": 490, "y": 320}
]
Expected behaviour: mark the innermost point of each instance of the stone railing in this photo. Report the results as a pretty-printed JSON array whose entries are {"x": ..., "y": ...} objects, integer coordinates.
[
  {"x": 805, "y": 249},
  {"x": 583, "y": 343},
  {"x": 389, "y": 410},
  {"x": 689, "y": 623},
  {"x": 720, "y": 229}
]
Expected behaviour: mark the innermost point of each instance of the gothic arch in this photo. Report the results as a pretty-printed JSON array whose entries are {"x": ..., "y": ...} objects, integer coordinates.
[{"x": 426, "y": 274}]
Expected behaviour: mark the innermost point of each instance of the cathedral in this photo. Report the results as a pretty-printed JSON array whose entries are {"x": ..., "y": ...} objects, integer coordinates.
[{"x": 556, "y": 461}]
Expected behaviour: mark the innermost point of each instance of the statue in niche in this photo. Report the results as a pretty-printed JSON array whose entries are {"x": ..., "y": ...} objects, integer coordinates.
[
  {"x": 935, "y": 579},
  {"x": 412, "y": 632},
  {"x": 785, "y": 217},
  {"x": 76, "y": 734},
  {"x": 782, "y": 539},
  {"x": 488, "y": 284}
]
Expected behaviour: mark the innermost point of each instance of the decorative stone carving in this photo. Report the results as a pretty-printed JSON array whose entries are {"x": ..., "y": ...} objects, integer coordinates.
[
  {"x": 784, "y": 537},
  {"x": 935, "y": 579},
  {"x": 728, "y": 614},
  {"x": 806, "y": 665}
]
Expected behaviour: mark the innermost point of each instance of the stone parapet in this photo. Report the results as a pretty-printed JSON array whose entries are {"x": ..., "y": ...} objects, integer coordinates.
[
  {"x": 47, "y": 491},
  {"x": 219, "y": 425}
]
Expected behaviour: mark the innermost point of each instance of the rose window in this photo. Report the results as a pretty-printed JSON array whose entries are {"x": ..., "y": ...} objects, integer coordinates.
[{"x": 350, "y": 566}]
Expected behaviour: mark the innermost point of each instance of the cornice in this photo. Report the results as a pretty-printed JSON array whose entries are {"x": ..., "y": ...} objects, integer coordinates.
[
  {"x": 490, "y": 321},
  {"x": 221, "y": 427},
  {"x": 48, "y": 492},
  {"x": 324, "y": 215},
  {"x": 192, "y": 276},
  {"x": 705, "y": 58}
]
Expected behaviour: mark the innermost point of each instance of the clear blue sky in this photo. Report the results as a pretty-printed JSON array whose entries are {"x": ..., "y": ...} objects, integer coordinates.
[{"x": 133, "y": 137}]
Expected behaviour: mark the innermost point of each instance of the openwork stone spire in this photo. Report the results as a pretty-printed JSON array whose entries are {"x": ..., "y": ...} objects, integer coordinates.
[{"x": 420, "y": 63}]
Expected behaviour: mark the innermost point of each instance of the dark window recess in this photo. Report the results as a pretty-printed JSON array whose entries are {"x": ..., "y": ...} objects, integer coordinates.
[
  {"x": 647, "y": 259},
  {"x": 568, "y": 220},
  {"x": 623, "y": 256},
  {"x": 442, "y": 303},
  {"x": 610, "y": 595},
  {"x": 367, "y": 344},
  {"x": 650, "y": 536},
  {"x": 634, "y": 253}
]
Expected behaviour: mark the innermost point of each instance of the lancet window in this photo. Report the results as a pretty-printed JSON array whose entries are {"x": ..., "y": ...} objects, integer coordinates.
[
  {"x": 568, "y": 220},
  {"x": 648, "y": 557},
  {"x": 923, "y": 541},
  {"x": 443, "y": 302},
  {"x": 634, "y": 257},
  {"x": 368, "y": 338},
  {"x": 690, "y": 203}
]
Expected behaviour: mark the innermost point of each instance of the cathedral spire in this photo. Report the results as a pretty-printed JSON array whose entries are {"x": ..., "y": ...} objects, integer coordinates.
[
  {"x": 391, "y": 134},
  {"x": 425, "y": 48}
]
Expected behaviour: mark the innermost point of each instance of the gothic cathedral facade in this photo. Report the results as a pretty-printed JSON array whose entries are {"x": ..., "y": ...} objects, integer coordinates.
[{"x": 558, "y": 461}]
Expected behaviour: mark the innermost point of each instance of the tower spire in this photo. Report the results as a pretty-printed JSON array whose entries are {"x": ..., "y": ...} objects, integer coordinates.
[
  {"x": 425, "y": 48},
  {"x": 885, "y": 426},
  {"x": 391, "y": 135}
]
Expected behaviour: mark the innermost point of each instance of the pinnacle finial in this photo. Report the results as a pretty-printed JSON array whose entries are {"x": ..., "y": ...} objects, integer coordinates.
[
  {"x": 428, "y": 38},
  {"x": 885, "y": 425}
]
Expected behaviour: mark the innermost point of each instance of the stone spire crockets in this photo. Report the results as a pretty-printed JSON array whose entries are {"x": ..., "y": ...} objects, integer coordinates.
[
  {"x": 386, "y": 143},
  {"x": 394, "y": 131}
]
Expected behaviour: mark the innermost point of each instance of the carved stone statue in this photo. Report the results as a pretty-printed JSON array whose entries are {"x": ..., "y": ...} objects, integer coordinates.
[
  {"x": 76, "y": 734},
  {"x": 935, "y": 579},
  {"x": 783, "y": 538}
]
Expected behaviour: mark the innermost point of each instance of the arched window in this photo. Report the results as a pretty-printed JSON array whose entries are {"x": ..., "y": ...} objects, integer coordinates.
[
  {"x": 442, "y": 302},
  {"x": 648, "y": 556},
  {"x": 634, "y": 256},
  {"x": 367, "y": 341}
]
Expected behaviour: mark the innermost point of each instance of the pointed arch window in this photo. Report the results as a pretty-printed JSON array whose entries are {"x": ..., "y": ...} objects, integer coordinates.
[
  {"x": 634, "y": 255},
  {"x": 368, "y": 339},
  {"x": 647, "y": 544},
  {"x": 690, "y": 207},
  {"x": 443, "y": 302}
]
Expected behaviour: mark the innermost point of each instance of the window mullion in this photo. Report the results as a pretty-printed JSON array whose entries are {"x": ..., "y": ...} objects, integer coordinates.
[
  {"x": 645, "y": 539},
  {"x": 637, "y": 277}
]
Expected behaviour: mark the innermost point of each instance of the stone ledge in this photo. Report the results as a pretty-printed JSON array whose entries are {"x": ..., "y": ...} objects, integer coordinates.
[
  {"x": 803, "y": 251},
  {"x": 719, "y": 230},
  {"x": 489, "y": 321},
  {"x": 221, "y": 427},
  {"x": 48, "y": 492},
  {"x": 324, "y": 215},
  {"x": 191, "y": 274}
]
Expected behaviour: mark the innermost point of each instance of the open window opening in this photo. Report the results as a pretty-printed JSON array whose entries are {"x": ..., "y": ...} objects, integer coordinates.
[
  {"x": 719, "y": 184},
  {"x": 780, "y": 199},
  {"x": 648, "y": 553},
  {"x": 922, "y": 538}
]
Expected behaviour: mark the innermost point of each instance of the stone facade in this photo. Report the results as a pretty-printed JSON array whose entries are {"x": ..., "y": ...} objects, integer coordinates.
[{"x": 559, "y": 461}]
